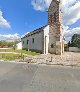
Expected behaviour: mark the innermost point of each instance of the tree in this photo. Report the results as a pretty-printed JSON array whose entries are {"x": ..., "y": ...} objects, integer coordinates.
[
  {"x": 10, "y": 44},
  {"x": 69, "y": 44},
  {"x": 75, "y": 41},
  {"x": 4, "y": 43}
]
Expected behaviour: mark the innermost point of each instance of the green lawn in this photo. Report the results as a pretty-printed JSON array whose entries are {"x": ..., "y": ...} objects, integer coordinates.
[
  {"x": 13, "y": 56},
  {"x": 26, "y": 52},
  {"x": 10, "y": 57},
  {"x": 19, "y": 51}
]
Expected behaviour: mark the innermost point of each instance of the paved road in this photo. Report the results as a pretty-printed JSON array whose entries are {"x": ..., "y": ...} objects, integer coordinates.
[{"x": 21, "y": 77}]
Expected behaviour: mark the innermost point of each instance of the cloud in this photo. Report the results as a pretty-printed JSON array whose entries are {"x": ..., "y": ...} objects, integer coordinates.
[
  {"x": 41, "y": 5},
  {"x": 70, "y": 8},
  {"x": 3, "y": 22},
  {"x": 71, "y": 12},
  {"x": 10, "y": 36},
  {"x": 69, "y": 33}
]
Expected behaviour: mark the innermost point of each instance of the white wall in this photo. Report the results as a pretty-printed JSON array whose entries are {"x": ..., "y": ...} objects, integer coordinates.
[
  {"x": 74, "y": 49},
  {"x": 38, "y": 42},
  {"x": 46, "y": 38},
  {"x": 18, "y": 46},
  {"x": 41, "y": 41}
]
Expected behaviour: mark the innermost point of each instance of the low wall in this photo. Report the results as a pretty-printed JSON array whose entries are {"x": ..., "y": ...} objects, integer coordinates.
[{"x": 74, "y": 49}]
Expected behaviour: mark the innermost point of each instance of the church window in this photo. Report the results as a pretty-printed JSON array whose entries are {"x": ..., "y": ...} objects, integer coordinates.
[
  {"x": 27, "y": 42},
  {"x": 55, "y": 17},
  {"x": 32, "y": 40}
]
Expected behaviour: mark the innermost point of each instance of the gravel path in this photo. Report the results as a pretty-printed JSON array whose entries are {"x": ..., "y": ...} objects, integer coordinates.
[{"x": 68, "y": 58}]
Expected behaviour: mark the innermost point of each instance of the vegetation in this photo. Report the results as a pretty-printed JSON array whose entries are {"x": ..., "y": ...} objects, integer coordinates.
[
  {"x": 5, "y": 43},
  {"x": 75, "y": 41},
  {"x": 19, "y": 54},
  {"x": 19, "y": 51},
  {"x": 10, "y": 57},
  {"x": 26, "y": 52},
  {"x": 16, "y": 54}
]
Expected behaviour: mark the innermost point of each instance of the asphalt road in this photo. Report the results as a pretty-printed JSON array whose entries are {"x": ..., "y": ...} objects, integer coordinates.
[{"x": 22, "y": 77}]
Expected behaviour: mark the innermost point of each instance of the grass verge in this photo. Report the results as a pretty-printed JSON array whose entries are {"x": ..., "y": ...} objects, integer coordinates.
[
  {"x": 26, "y": 52},
  {"x": 10, "y": 57}
]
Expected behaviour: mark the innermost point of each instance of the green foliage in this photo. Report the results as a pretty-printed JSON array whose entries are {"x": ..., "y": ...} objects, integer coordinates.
[
  {"x": 10, "y": 44},
  {"x": 70, "y": 44},
  {"x": 4, "y": 43},
  {"x": 27, "y": 52},
  {"x": 9, "y": 57},
  {"x": 75, "y": 41}
]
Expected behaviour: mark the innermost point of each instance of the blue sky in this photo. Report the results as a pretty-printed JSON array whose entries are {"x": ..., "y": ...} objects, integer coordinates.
[
  {"x": 21, "y": 16},
  {"x": 18, "y": 17}
]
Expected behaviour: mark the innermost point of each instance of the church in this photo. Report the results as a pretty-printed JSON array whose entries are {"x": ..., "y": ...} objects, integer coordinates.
[{"x": 49, "y": 38}]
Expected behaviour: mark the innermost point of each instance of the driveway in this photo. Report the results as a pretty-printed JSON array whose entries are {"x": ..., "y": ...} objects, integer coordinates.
[{"x": 22, "y": 77}]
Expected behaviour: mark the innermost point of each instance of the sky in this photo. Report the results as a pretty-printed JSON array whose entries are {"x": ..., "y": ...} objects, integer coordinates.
[{"x": 18, "y": 17}]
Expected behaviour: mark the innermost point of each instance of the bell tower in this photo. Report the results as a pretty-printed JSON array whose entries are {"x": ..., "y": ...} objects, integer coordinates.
[{"x": 55, "y": 27}]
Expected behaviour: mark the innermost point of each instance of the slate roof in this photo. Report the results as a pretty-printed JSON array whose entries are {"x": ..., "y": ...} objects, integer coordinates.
[{"x": 35, "y": 31}]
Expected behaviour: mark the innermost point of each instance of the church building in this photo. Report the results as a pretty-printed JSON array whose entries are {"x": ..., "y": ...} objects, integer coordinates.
[{"x": 47, "y": 39}]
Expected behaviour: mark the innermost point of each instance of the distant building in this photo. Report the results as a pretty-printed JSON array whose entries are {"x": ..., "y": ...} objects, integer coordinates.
[
  {"x": 47, "y": 39},
  {"x": 18, "y": 46}
]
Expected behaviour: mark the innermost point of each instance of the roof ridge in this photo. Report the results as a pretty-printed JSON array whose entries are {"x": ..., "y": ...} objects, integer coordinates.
[{"x": 35, "y": 31}]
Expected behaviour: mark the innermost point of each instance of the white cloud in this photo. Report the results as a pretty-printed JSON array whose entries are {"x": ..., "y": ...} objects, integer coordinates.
[
  {"x": 10, "y": 36},
  {"x": 3, "y": 22},
  {"x": 71, "y": 9},
  {"x": 69, "y": 33},
  {"x": 41, "y": 4},
  {"x": 71, "y": 14}
]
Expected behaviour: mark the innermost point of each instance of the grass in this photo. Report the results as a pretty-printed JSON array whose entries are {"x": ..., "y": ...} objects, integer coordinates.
[
  {"x": 27, "y": 52},
  {"x": 13, "y": 56},
  {"x": 19, "y": 51},
  {"x": 10, "y": 57}
]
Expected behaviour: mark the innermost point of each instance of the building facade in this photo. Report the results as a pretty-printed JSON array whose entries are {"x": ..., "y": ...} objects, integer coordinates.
[
  {"x": 47, "y": 39},
  {"x": 37, "y": 40},
  {"x": 18, "y": 46}
]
